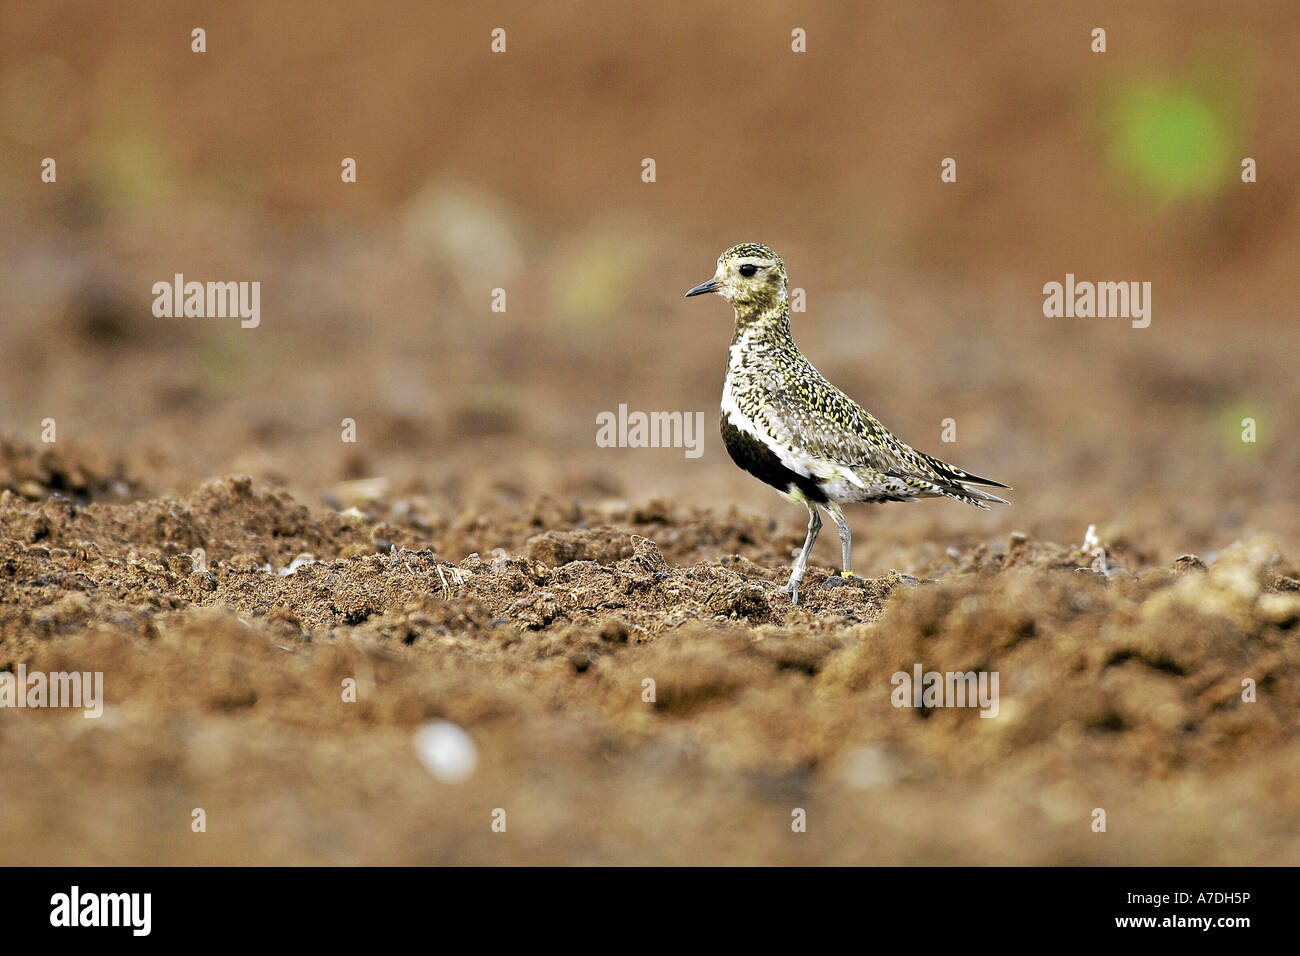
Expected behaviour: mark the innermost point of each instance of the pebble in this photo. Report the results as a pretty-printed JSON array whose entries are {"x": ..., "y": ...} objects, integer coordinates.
[
  {"x": 866, "y": 768},
  {"x": 446, "y": 751},
  {"x": 301, "y": 560},
  {"x": 204, "y": 580},
  {"x": 31, "y": 490}
]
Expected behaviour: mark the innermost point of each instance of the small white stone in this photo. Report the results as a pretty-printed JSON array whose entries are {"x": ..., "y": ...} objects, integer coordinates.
[
  {"x": 296, "y": 563},
  {"x": 446, "y": 751},
  {"x": 869, "y": 767}
]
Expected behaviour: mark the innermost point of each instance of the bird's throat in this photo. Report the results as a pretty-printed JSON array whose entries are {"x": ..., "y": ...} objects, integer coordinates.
[{"x": 767, "y": 322}]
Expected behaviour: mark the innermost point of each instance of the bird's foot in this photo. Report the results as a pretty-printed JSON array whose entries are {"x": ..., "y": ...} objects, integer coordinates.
[{"x": 791, "y": 588}]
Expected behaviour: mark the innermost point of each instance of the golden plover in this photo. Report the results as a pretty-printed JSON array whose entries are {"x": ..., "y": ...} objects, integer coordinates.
[{"x": 786, "y": 425}]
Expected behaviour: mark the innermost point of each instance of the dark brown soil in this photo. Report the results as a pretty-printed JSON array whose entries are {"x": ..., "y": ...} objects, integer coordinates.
[{"x": 223, "y": 686}]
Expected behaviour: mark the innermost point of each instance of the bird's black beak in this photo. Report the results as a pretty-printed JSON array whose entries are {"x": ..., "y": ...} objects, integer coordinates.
[{"x": 713, "y": 285}]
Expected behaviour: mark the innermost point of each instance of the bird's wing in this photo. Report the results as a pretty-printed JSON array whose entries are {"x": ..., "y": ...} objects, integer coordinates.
[
  {"x": 834, "y": 438},
  {"x": 830, "y": 433}
]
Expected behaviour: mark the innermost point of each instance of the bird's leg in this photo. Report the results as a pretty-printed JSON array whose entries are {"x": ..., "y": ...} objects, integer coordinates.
[
  {"x": 846, "y": 537},
  {"x": 796, "y": 575}
]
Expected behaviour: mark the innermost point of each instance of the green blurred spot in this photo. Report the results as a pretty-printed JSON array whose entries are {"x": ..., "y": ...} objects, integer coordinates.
[
  {"x": 593, "y": 283},
  {"x": 132, "y": 170},
  {"x": 1238, "y": 425},
  {"x": 1174, "y": 142},
  {"x": 221, "y": 362},
  {"x": 132, "y": 150}
]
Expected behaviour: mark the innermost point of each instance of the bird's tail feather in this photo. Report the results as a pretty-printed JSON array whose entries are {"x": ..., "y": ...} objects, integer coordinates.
[
  {"x": 978, "y": 497},
  {"x": 955, "y": 483}
]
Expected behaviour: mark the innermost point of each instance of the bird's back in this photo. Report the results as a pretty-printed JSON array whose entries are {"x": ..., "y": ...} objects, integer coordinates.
[{"x": 776, "y": 398}]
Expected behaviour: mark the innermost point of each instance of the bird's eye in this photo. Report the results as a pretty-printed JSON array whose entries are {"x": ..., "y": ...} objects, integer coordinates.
[{"x": 748, "y": 269}]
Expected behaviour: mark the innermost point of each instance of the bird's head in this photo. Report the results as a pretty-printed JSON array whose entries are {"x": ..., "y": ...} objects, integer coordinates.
[{"x": 749, "y": 275}]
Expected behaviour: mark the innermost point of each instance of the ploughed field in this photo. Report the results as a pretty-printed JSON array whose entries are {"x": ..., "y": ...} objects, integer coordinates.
[{"x": 635, "y": 687}]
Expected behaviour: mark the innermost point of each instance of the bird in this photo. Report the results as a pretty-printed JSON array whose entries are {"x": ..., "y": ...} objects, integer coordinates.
[{"x": 789, "y": 427}]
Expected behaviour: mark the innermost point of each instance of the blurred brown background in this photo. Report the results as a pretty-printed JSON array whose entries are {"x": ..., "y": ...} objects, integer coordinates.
[{"x": 522, "y": 171}]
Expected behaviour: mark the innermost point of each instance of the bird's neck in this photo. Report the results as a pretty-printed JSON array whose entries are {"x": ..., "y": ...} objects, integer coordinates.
[{"x": 763, "y": 324}]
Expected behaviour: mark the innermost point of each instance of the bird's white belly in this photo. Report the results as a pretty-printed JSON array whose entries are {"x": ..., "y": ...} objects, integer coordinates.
[{"x": 836, "y": 481}]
